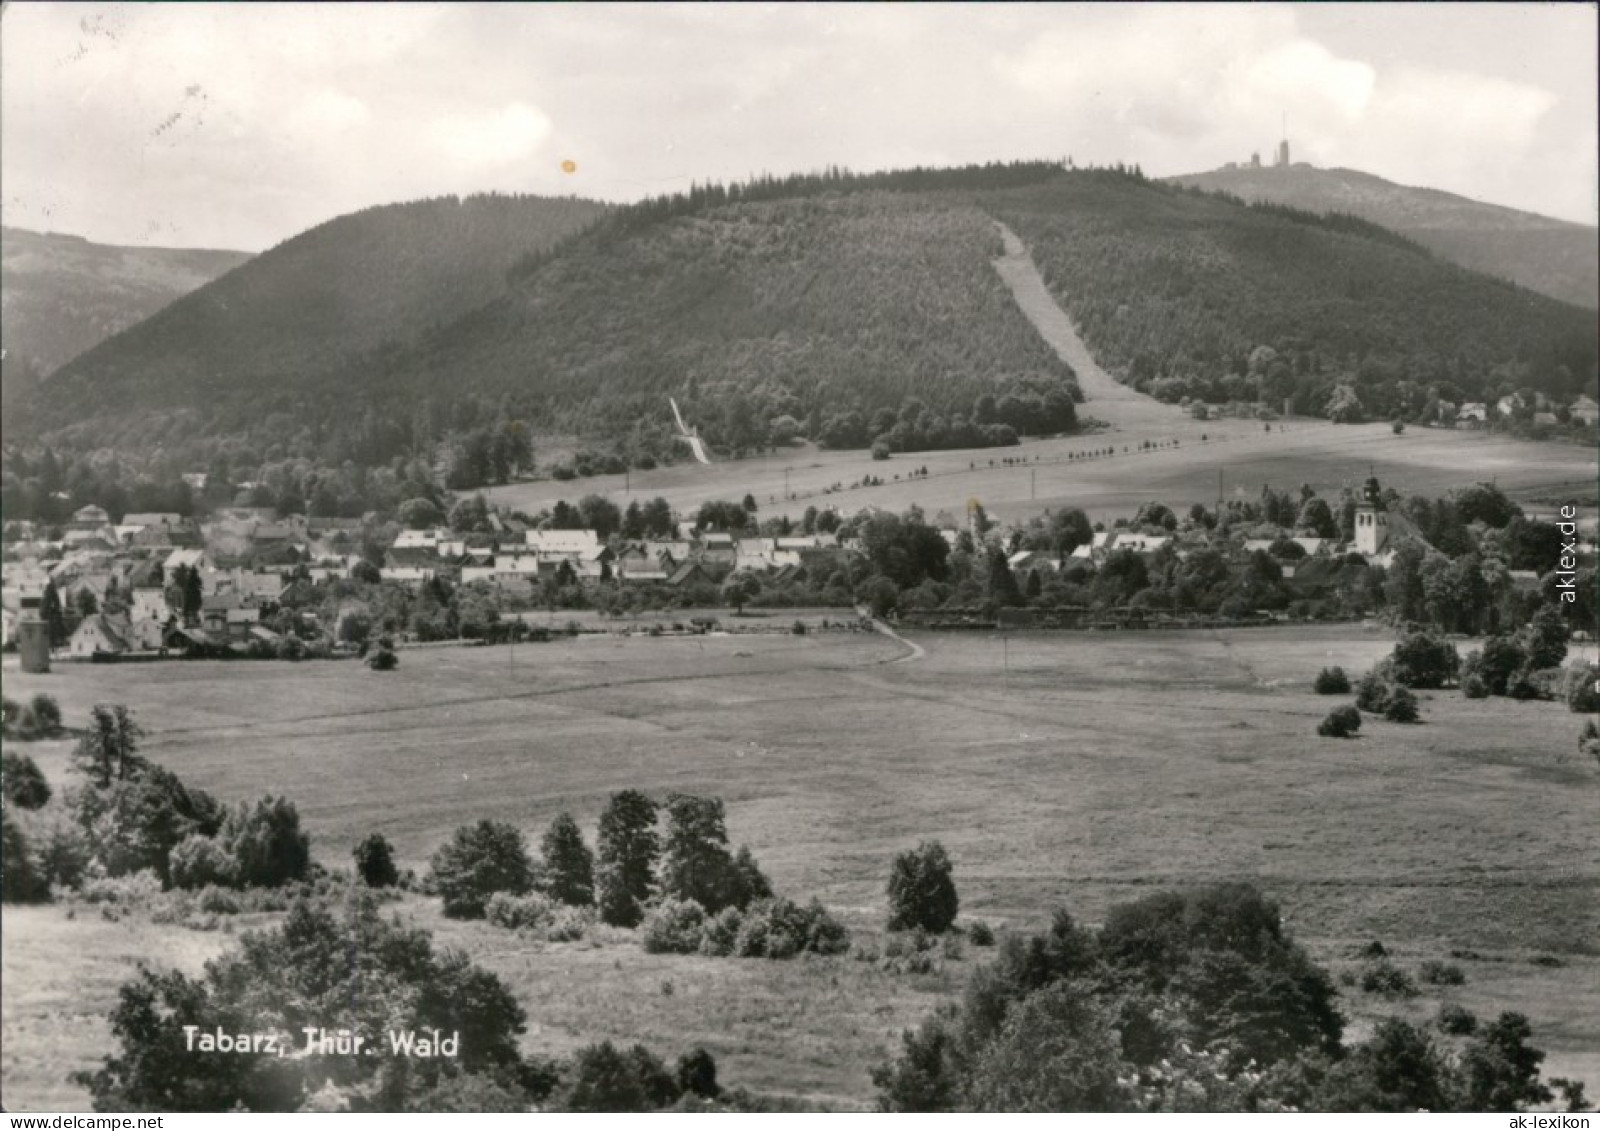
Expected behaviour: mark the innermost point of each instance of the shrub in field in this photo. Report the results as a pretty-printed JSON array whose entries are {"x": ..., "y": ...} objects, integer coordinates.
[
  {"x": 721, "y": 932},
  {"x": 375, "y": 865},
  {"x": 627, "y": 850},
  {"x": 478, "y": 861},
  {"x": 266, "y": 843},
  {"x": 22, "y": 782},
  {"x": 1385, "y": 979},
  {"x": 1473, "y": 687},
  {"x": 1375, "y": 689},
  {"x": 1401, "y": 706},
  {"x": 570, "y": 924},
  {"x": 60, "y": 852},
  {"x": 673, "y": 926},
  {"x": 1456, "y": 1019},
  {"x": 1494, "y": 665},
  {"x": 1501, "y": 1068},
  {"x": 604, "y": 1078},
  {"x": 1437, "y": 973},
  {"x": 1341, "y": 722},
  {"x": 39, "y": 718},
  {"x": 922, "y": 891},
  {"x": 1589, "y": 740},
  {"x": 200, "y": 861},
  {"x": 133, "y": 888},
  {"x": 218, "y": 901},
  {"x": 697, "y": 1075},
  {"x": 1332, "y": 681},
  {"x": 383, "y": 660},
  {"x": 1424, "y": 661},
  {"x": 1581, "y": 688},
  {"x": 980, "y": 933},
  {"x": 19, "y": 883},
  {"x": 910, "y": 952},
  {"x": 780, "y": 928},
  {"x": 533, "y": 912},
  {"x": 1544, "y": 638},
  {"x": 568, "y": 873},
  {"x": 1528, "y": 683}
]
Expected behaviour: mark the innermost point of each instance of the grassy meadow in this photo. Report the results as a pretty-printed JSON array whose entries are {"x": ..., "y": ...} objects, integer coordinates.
[
  {"x": 1072, "y": 770},
  {"x": 1327, "y": 456}
]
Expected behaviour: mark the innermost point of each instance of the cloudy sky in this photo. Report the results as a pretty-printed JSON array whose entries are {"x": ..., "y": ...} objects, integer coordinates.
[{"x": 240, "y": 125}]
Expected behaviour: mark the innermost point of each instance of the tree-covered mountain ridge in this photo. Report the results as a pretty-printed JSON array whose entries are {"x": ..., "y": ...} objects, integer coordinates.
[
  {"x": 1554, "y": 257},
  {"x": 63, "y": 294},
  {"x": 822, "y": 305}
]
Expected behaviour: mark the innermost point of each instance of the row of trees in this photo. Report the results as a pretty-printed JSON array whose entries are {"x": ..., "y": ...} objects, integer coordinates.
[{"x": 633, "y": 865}]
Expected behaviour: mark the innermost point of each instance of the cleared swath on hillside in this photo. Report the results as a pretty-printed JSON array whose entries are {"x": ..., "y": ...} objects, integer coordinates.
[
  {"x": 380, "y": 276},
  {"x": 1164, "y": 282}
]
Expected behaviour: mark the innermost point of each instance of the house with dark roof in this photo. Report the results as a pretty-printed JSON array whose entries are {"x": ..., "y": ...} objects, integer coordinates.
[
  {"x": 99, "y": 635},
  {"x": 690, "y": 573}
]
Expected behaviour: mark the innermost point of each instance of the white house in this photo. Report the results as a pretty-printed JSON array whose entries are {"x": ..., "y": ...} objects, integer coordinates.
[
  {"x": 562, "y": 543},
  {"x": 98, "y": 633},
  {"x": 417, "y": 540},
  {"x": 191, "y": 559}
]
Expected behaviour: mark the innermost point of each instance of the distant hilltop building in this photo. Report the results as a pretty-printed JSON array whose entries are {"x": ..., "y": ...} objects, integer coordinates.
[{"x": 1280, "y": 157}]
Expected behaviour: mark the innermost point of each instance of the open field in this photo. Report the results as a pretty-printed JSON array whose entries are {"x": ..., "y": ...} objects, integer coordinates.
[
  {"x": 1327, "y": 456},
  {"x": 1070, "y": 770}
]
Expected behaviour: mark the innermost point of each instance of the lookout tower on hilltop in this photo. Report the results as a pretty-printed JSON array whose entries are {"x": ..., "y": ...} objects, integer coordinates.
[{"x": 1372, "y": 521}]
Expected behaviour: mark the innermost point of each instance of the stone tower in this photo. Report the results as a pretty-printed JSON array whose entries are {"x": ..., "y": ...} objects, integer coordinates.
[
  {"x": 1372, "y": 522},
  {"x": 33, "y": 641}
]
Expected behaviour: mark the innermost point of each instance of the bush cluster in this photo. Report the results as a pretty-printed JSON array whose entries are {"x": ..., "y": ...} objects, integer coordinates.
[
  {"x": 22, "y": 782},
  {"x": 1384, "y": 978},
  {"x": 1341, "y": 722},
  {"x": 40, "y": 717},
  {"x": 1332, "y": 681}
]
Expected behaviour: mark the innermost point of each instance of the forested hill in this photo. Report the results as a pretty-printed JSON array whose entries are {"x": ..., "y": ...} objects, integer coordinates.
[
  {"x": 1553, "y": 257},
  {"x": 382, "y": 275},
  {"x": 820, "y": 304},
  {"x": 1177, "y": 290},
  {"x": 63, "y": 294}
]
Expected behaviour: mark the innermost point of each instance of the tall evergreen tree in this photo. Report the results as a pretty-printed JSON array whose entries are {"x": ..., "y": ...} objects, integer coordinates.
[
  {"x": 568, "y": 863},
  {"x": 628, "y": 847}
]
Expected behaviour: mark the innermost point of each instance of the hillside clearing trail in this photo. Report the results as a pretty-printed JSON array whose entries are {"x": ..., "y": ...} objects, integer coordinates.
[{"x": 1108, "y": 399}]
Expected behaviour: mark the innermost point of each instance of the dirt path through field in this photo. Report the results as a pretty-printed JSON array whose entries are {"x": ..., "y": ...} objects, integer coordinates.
[
  {"x": 916, "y": 652},
  {"x": 1108, "y": 399}
]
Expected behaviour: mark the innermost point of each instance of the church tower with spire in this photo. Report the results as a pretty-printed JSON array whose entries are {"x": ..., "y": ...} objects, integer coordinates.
[{"x": 1372, "y": 521}]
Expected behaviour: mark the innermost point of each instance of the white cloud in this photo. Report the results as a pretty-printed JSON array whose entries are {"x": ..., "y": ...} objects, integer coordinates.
[
  {"x": 489, "y": 138},
  {"x": 306, "y": 110},
  {"x": 332, "y": 112}
]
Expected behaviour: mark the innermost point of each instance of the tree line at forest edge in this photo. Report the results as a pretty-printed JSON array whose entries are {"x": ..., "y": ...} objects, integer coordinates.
[{"x": 1180, "y": 1001}]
